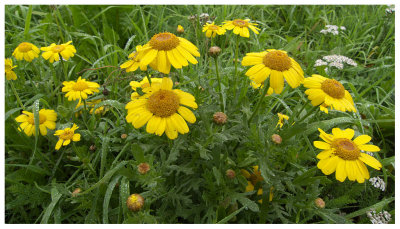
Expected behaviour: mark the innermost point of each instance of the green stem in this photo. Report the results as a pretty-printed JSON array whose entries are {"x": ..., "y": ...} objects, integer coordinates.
[
  {"x": 64, "y": 69},
  {"x": 236, "y": 60},
  {"x": 148, "y": 77},
  {"x": 219, "y": 85},
  {"x": 266, "y": 86},
  {"x": 16, "y": 95}
]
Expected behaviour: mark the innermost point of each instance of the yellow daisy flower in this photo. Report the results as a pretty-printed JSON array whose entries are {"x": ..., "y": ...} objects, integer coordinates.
[
  {"x": 66, "y": 135},
  {"x": 212, "y": 30},
  {"x": 79, "y": 89},
  {"x": 252, "y": 179},
  {"x": 143, "y": 84},
  {"x": 180, "y": 29},
  {"x": 343, "y": 155},
  {"x": 53, "y": 52},
  {"x": 47, "y": 120},
  {"x": 281, "y": 119},
  {"x": 90, "y": 105},
  {"x": 10, "y": 74},
  {"x": 27, "y": 51},
  {"x": 274, "y": 63},
  {"x": 241, "y": 27},
  {"x": 261, "y": 85},
  {"x": 328, "y": 93},
  {"x": 134, "y": 61},
  {"x": 161, "y": 108},
  {"x": 166, "y": 49}
]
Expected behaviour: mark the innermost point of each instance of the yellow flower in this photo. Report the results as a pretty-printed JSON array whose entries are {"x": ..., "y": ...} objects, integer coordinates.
[
  {"x": 274, "y": 63},
  {"x": 241, "y": 27},
  {"x": 66, "y": 135},
  {"x": 53, "y": 52},
  {"x": 252, "y": 179},
  {"x": 212, "y": 30},
  {"x": 143, "y": 84},
  {"x": 161, "y": 108},
  {"x": 258, "y": 85},
  {"x": 281, "y": 118},
  {"x": 10, "y": 74},
  {"x": 26, "y": 51},
  {"x": 90, "y": 105},
  {"x": 180, "y": 29},
  {"x": 47, "y": 120},
  {"x": 328, "y": 93},
  {"x": 79, "y": 89},
  {"x": 166, "y": 49},
  {"x": 134, "y": 61},
  {"x": 343, "y": 155}
]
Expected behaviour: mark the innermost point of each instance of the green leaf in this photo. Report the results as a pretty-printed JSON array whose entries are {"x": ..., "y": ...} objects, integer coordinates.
[
  {"x": 248, "y": 203},
  {"x": 229, "y": 217},
  {"x": 218, "y": 175},
  {"x": 10, "y": 112},
  {"x": 330, "y": 217},
  {"x": 55, "y": 197},
  {"x": 32, "y": 168},
  {"x": 107, "y": 198},
  {"x": 376, "y": 207}
]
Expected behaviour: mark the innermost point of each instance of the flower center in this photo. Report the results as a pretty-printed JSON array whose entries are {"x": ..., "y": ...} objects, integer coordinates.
[
  {"x": 277, "y": 60},
  {"x": 58, "y": 48},
  {"x": 68, "y": 134},
  {"x": 163, "y": 103},
  {"x": 164, "y": 41},
  {"x": 31, "y": 119},
  {"x": 25, "y": 47},
  {"x": 346, "y": 149},
  {"x": 80, "y": 86},
  {"x": 240, "y": 23},
  {"x": 333, "y": 88},
  {"x": 213, "y": 27}
]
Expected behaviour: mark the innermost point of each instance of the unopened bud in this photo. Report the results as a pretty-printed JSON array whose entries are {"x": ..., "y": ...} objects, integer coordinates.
[
  {"x": 230, "y": 173},
  {"x": 180, "y": 29},
  {"x": 92, "y": 148},
  {"x": 320, "y": 203},
  {"x": 201, "y": 88},
  {"x": 76, "y": 192},
  {"x": 135, "y": 202},
  {"x": 214, "y": 51},
  {"x": 276, "y": 139},
  {"x": 123, "y": 136},
  {"x": 105, "y": 91},
  {"x": 220, "y": 118},
  {"x": 143, "y": 168},
  {"x": 176, "y": 83}
]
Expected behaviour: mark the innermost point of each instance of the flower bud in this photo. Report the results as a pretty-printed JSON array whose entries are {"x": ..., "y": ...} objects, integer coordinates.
[
  {"x": 220, "y": 118},
  {"x": 92, "y": 148},
  {"x": 123, "y": 136},
  {"x": 105, "y": 92},
  {"x": 214, "y": 51},
  {"x": 276, "y": 139},
  {"x": 230, "y": 173},
  {"x": 143, "y": 168},
  {"x": 180, "y": 29},
  {"x": 320, "y": 203},
  {"x": 76, "y": 192},
  {"x": 135, "y": 202}
]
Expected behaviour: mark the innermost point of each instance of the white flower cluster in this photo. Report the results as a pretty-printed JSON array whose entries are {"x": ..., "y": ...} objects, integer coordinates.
[
  {"x": 333, "y": 29},
  {"x": 335, "y": 61},
  {"x": 390, "y": 10},
  {"x": 377, "y": 182},
  {"x": 380, "y": 218}
]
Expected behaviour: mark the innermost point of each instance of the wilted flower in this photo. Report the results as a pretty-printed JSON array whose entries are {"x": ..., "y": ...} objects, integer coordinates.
[
  {"x": 220, "y": 118},
  {"x": 276, "y": 139},
  {"x": 143, "y": 168},
  {"x": 214, "y": 51},
  {"x": 320, "y": 203},
  {"x": 123, "y": 136},
  {"x": 230, "y": 173}
]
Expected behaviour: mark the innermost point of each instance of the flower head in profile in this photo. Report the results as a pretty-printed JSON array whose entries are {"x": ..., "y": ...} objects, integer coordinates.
[
  {"x": 53, "y": 52},
  {"x": 67, "y": 135},
  {"x": 253, "y": 179},
  {"x": 212, "y": 30},
  {"x": 180, "y": 29},
  {"x": 328, "y": 93},
  {"x": 10, "y": 74},
  {"x": 276, "y": 64},
  {"x": 261, "y": 85},
  {"x": 241, "y": 27},
  {"x": 90, "y": 105},
  {"x": 134, "y": 61},
  {"x": 343, "y": 155},
  {"x": 163, "y": 109},
  {"x": 142, "y": 85},
  {"x": 79, "y": 89},
  {"x": 47, "y": 120},
  {"x": 281, "y": 119},
  {"x": 166, "y": 49},
  {"x": 26, "y": 51}
]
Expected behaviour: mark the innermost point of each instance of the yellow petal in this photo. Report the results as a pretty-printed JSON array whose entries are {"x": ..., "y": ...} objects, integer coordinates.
[
  {"x": 187, "y": 114},
  {"x": 371, "y": 161},
  {"x": 153, "y": 124},
  {"x": 341, "y": 173},
  {"x": 322, "y": 145},
  {"x": 369, "y": 148}
]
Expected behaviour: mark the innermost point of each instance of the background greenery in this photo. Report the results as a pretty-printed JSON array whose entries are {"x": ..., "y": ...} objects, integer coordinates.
[{"x": 187, "y": 182}]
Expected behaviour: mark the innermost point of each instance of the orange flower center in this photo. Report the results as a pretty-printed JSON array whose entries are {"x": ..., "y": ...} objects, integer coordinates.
[
  {"x": 277, "y": 60},
  {"x": 164, "y": 41},
  {"x": 25, "y": 47},
  {"x": 80, "y": 86},
  {"x": 31, "y": 119},
  {"x": 333, "y": 88},
  {"x": 58, "y": 48},
  {"x": 213, "y": 27},
  {"x": 163, "y": 103},
  {"x": 346, "y": 149},
  {"x": 240, "y": 23},
  {"x": 68, "y": 134}
]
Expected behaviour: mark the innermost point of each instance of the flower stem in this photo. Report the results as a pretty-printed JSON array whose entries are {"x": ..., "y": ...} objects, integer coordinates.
[
  {"x": 16, "y": 95},
  {"x": 64, "y": 69},
  {"x": 148, "y": 77},
  {"x": 219, "y": 85},
  {"x": 236, "y": 60},
  {"x": 266, "y": 86}
]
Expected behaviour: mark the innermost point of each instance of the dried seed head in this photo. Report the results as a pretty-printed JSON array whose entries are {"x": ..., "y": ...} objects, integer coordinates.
[
  {"x": 105, "y": 91},
  {"x": 230, "y": 173},
  {"x": 214, "y": 51},
  {"x": 220, "y": 118},
  {"x": 92, "y": 148},
  {"x": 320, "y": 203},
  {"x": 124, "y": 136},
  {"x": 276, "y": 139},
  {"x": 76, "y": 191},
  {"x": 143, "y": 168},
  {"x": 135, "y": 202}
]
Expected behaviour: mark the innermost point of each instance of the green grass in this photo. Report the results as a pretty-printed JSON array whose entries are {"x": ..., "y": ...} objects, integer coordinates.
[{"x": 187, "y": 182}]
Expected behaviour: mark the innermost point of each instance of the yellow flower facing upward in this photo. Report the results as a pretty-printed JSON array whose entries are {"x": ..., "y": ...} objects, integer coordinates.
[
  {"x": 26, "y": 51},
  {"x": 143, "y": 84},
  {"x": 281, "y": 119},
  {"x": 163, "y": 109},
  {"x": 10, "y": 74},
  {"x": 134, "y": 61},
  {"x": 241, "y": 27},
  {"x": 53, "y": 52},
  {"x": 252, "y": 179},
  {"x": 180, "y": 29},
  {"x": 166, "y": 49},
  {"x": 343, "y": 155},
  {"x": 212, "y": 30},
  {"x": 274, "y": 63},
  {"x": 328, "y": 93},
  {"x": 79, "y": 89},
  {"x": 67, "y": 135},
  {"x": 47, "y": 120}
]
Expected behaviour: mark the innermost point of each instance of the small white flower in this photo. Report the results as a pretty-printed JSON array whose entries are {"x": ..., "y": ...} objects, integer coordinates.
[
  {"x": 377, "y": 182},
  {"x": 380, "y": 218},
  {"x": 320, "y": 62}
]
